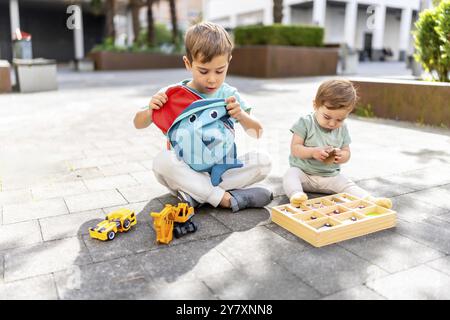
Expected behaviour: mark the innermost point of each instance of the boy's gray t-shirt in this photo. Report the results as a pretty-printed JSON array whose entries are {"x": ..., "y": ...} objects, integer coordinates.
[{"x": 314, "y": 135}]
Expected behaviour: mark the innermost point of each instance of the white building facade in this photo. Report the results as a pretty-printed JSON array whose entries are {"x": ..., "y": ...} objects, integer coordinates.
[{"x": 378, "y": 29}]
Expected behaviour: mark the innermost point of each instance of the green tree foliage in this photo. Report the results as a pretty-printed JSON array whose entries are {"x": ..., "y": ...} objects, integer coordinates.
[{"x": 432, "y": 41}]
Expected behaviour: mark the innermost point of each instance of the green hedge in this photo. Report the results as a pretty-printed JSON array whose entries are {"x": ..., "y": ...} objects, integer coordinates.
[{"x": 277, "y": 34}]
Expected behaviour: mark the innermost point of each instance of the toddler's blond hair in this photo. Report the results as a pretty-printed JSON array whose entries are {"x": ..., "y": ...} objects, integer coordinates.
[{"x": 336, "y": 94}]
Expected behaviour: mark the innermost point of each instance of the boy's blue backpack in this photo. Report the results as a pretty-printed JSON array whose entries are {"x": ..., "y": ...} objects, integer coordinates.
[{"x": 203, "y": 137}]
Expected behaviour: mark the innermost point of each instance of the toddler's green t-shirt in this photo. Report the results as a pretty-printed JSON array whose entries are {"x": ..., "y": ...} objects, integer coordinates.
[{"x": 314, "y": 135}]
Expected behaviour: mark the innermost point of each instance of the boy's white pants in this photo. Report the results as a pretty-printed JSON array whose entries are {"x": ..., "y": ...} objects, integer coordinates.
[
  {"x": 176, "y": 175},
  {"x": 295, "y": 180}
]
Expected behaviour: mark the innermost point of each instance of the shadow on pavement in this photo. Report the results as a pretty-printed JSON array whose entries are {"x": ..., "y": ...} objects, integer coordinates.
[{"x": 134, "y": 266}]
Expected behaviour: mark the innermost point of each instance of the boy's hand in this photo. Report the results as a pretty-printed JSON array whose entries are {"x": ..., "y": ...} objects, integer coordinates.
[
  {"x": 157, "y": 101},
  {"x": 321, "y": 153},
  {"x": 234, "y": 108}
]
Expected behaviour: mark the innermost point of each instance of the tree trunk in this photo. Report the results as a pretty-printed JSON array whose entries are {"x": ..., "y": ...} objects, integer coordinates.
[
  {"x": 174, "y": 20},
  {"x": 110, "y": 13},
  {"x": 135, "y": 6},
  {"x": 151, "y": 24},
  {"x": 277, "y": 11}
]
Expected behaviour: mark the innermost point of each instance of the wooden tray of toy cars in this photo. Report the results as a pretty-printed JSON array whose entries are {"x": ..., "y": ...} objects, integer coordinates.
[{"x": 334, "y": 218}]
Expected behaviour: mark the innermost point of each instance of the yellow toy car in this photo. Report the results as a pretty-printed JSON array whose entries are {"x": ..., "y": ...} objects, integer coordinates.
[{"x": 117, "y": 221}]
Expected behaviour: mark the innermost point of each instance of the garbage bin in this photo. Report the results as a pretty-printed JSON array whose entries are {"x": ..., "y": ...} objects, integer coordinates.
[
  {"x": 22, "y": 48},
  {"x": 349, "y": 60},
  {"x": 35, "y": 74}
]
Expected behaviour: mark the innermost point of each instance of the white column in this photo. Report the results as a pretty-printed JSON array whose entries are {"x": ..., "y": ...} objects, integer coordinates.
[
  {"x": 287, "y": 14},
  {"x": 130, "y": 32},
  {"x": 405, "y": 32},
  {"x": 319, "y": 10},
  {"x": 268, "y": 13},
  {"x": 14, "y": 15},
  {"x": 351, "y": 15},
  {"x": 233, "y": 21},
  {"x": 78, "y": 36},
  {"x": 378, "y": 32}
]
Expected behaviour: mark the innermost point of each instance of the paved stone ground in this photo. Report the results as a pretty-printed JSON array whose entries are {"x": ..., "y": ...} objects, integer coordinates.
[{"x": 70, "y": 156}]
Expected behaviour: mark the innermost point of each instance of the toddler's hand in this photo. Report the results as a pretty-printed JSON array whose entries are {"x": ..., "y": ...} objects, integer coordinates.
[
  {"x": 157, "y": 101},
  {"x": 233, "y": 107},
  {"x": 338, "y": 155},
  {"x": 321, "y": 154}
]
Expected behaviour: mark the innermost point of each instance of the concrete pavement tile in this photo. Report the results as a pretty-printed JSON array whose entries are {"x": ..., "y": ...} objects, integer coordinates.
[
  {"x": 99, "y": 152},
  {"x": 89, "y": 162},
  {"x": 36, "y": 288},
  {"x": 302, "y": 244},
  {"x": 44, "y": 258},
  {"x": 390, "y": 251},
  {"x": 357, "y": 293},
  {"x": 148, "y": 164},
  {"x": 15, "y": 196},
  {"x": 121, "y": 168},
  {"x": 19, "y": 234},
  {"x": 431, "y": 235},
  {"x": 260, "y": 281},
  {"x": 33, "y": 210},
  {"x": 81, "y": 174},
  {"x": 256, "y": 245},
  {"x": 422, "y": 178},
  {"x": 116, "y": 279},
  {"x": 242, "y": 220},
  {"x": 330, "y": 269},
  {"x": 141, "y": 192},
  {"x": 412, "y": 209},
  {"x": 140, "y": 238},
  {"x": 442, "y": 264},
  {"x": 111, "y": 144},
  {"x": 383, "y": 187},
  {"x": 2, "y": 268},
  {"x": 179, "y": 290},
  {"x": 95, "y": 200},
  {"x": 438, "y": 197},
  {"x": 419, "y": 283},
  {"x": 111, "y": 182},
  {"x": 131, "y": 157},
  {"x": 186, "y": 261},
  {"x": 146, "y": 178},
  {"x": 58, "y": 190},
  {"x": 69, "y": 225}
]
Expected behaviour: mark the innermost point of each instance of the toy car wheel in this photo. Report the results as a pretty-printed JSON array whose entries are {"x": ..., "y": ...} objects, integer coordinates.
[
  {"x": 194, "y": 226},
  {"x": 111, "y": 235},
  {"x": 126, "y": 225},
  {"x": 177, "y": 232}
]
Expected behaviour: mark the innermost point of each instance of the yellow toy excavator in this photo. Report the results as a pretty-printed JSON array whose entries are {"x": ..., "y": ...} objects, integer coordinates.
[{"x": 173, "y": 220}]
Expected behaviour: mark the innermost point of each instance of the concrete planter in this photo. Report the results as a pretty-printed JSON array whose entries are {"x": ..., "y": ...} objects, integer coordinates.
[
  {"x": 270, "y": 61},
  {"x": 5, "y": 76},
  {"x": 104, "y": 60},
  {"x": 414, "y": 101}
]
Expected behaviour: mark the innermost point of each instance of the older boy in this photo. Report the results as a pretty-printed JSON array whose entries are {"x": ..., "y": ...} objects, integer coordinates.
[{"x": 208, "y": 54}]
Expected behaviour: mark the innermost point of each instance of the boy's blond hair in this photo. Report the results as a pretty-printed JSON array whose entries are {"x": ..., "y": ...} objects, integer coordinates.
[
  {"x": 207, "y": 40},
  {"x": 336, "y": 94}
]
